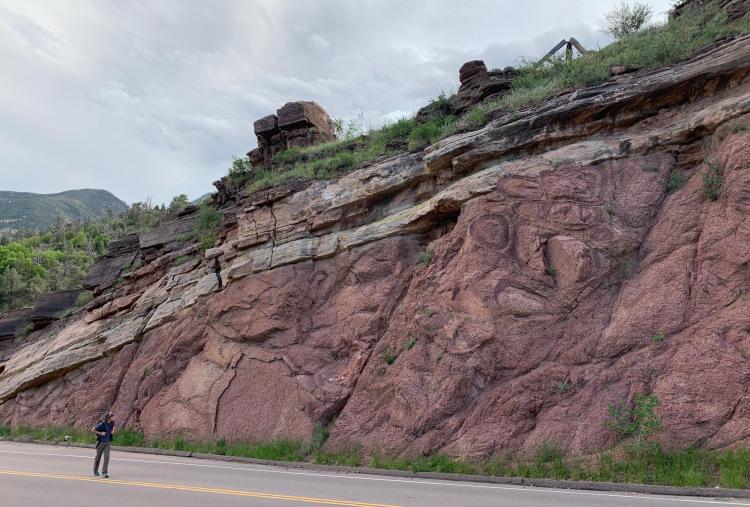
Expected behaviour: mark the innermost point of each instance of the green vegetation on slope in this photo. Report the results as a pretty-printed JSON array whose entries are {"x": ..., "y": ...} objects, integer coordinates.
[
  {"x": 27, "y": 211},
  {"x": 656, "y": 46},
  {"x": 677, "y": 39},
  {"x": 329, "y": 160},
  {"x": 34, "y": 263},
  {"x": 647, "y": 464}
]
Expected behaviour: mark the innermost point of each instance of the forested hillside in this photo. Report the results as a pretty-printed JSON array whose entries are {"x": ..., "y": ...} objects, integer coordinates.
[
  {"x": 28, "y": 211},
  {"x": 33, "y": 263}
]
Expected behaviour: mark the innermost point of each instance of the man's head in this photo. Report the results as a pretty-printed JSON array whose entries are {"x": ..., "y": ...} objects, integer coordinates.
[{"x": 110, "y": 416}]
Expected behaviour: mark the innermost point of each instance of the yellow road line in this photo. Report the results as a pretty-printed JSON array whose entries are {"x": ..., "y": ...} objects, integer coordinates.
[{"x": 197, "y": 489}]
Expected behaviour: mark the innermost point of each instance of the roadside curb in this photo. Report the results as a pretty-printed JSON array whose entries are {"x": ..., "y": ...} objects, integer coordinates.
[{"x": 615, "y": 487}]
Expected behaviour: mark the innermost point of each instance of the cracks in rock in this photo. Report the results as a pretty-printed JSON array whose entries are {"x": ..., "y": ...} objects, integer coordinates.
[
  {"x": 728, "y": 418},
  {"x": 273, "y": 236},
  {"x": 341, "y": 405}
]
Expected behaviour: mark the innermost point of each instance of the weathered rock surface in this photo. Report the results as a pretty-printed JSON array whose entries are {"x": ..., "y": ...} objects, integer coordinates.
[
  {"x": 298, "y": 124},
  {"x": 106, "y": 270},
  {"x": 544, "y": 250},
  {"x": 734, "y": 8},
  {"x": 478, "y": 84},
  {"x": 13, "y": 321}
]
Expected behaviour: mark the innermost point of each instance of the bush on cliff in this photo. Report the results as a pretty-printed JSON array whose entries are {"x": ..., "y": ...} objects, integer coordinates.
[
  {"x": 34, "y": 263},
  {"x": 677, "y": 39},
  {"x": 626, "y": 19},
  {"x": 332, "y": 159},
  {"x": 659, "y": 45},
  {"x": 208, "y": 219}
]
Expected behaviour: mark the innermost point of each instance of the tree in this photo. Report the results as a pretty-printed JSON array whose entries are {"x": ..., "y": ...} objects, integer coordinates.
[
  {"x": 626, "y": 19},
  {"x": 179, "y": 203}
]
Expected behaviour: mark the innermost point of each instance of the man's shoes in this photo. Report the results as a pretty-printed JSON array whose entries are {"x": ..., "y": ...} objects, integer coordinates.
[
  {"x": 105, "y": 475},
  {"x": 96, "y": 474}
]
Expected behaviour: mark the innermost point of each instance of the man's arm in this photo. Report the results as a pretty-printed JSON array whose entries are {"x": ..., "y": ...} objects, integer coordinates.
[{"x": 96, "y": 430}]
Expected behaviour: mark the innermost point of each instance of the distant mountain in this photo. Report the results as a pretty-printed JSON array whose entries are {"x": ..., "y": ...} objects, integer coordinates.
[
  {"x": 28, "y": 211},
  {"x": 201, "y": 198}
]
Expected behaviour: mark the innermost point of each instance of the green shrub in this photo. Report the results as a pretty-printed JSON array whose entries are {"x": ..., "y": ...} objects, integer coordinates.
[
  {"x": 389, "y": 355},
  {"x": 626, "y": 19},
  {"x": 653, "y": 47},
  {"x": 564, "y": 387},
  {"x": 351, "y": 457},
  {"x": 178, "y": 203},
  {"x": 84, "y": 298},
  {"x": 633, "y": 464},
  {"x": 712, "y": 180},
  {"x": 552, "y": 271},
  {"x": 658, "y": 337},
  {"x": 625, "y": 267},
  {"x": 430, "y": 132},
  {"x": 639, "y": 420},
  {"x": 240, "y": 170},
  {"x": 476, "y": 117},
  {"x": 208, "y": 218},
  {"x": 610, "y": 209},
  {"x": 410, "y": 343},
  {"x": 424, "y": 258},
  {"x": 182, "y": 259},
  {"x": 676, "y": 180}
]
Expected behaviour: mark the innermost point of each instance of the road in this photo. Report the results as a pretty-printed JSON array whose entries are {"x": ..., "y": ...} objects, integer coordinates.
[{"x": 36, "y": 475}]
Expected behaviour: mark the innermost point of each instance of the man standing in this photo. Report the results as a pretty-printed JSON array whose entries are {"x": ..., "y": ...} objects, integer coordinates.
[{"x": 103, "y": 432}]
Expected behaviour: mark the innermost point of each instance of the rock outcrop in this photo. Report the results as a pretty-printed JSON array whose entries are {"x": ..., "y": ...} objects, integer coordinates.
[
  {"x": 498, "y": 290},
  {"x": 298, "y": 124},
  {"x": 734, "y": 8},
  {"x": 477, "y": 85}
]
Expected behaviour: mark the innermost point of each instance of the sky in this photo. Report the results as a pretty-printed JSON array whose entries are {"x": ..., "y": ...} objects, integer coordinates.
[{"x": 153, "y": 98}]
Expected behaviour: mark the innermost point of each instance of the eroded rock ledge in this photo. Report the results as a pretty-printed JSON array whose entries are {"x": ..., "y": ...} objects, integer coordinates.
[{"x": 543, "y": 250}]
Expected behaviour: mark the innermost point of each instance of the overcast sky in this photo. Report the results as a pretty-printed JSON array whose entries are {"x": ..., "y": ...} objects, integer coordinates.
[{"x": 153, "y": 98}]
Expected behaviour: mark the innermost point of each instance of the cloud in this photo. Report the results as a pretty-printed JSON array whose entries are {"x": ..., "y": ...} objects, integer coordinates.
[{"x": 154, "y": 98}]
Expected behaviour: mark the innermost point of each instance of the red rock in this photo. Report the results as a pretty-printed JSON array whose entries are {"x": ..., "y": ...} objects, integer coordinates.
[
  {"x": 411, "y": 300},
  {"x": 478, "y": 84},
  {"x": 298, "y": 124}
]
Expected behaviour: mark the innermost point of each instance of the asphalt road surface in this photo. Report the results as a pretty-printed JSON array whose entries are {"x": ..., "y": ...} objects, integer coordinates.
[{"x": 35, "y": 475}]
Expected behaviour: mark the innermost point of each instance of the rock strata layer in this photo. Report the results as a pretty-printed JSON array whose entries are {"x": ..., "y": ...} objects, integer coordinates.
[
  {"x": 296, "y": 124},
  {"x": 495, "y": 292}
]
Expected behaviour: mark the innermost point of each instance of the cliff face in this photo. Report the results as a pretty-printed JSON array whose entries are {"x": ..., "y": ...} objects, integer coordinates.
[{"x": 497, "y": 291}]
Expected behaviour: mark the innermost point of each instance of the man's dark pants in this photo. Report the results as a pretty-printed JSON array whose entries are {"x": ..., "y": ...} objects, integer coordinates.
[{"x": 102, "y": 449}]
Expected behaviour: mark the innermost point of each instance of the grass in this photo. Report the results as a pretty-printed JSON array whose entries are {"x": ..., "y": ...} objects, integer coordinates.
[
  {"x": 654, "y": 47},
  {"x": 658, "y": 337},
  {"x": 208, "y": 218},
  {"x": 389, "y": 355},
  {"x": 610, "y": 209},
  {"x": 712, "y": 180},
  {"x": 329, "y": 160},
  {"x": 645, "y": 464},
  {"x": 182, "y": 259},
  {"x": 410, "y": 343},
  {"x": 564, "y": 387},
  {"x": 676, "y": 180},
  {"x": 76, "y": 435},
  {"x": 424, "y": 258}
]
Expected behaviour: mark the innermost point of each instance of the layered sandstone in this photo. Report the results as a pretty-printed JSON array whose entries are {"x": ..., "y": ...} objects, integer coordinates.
[
  {"x": 295, "y": 124},
  {"x": 477, "y": 85},
  {"x": 544, "y": 250}
]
